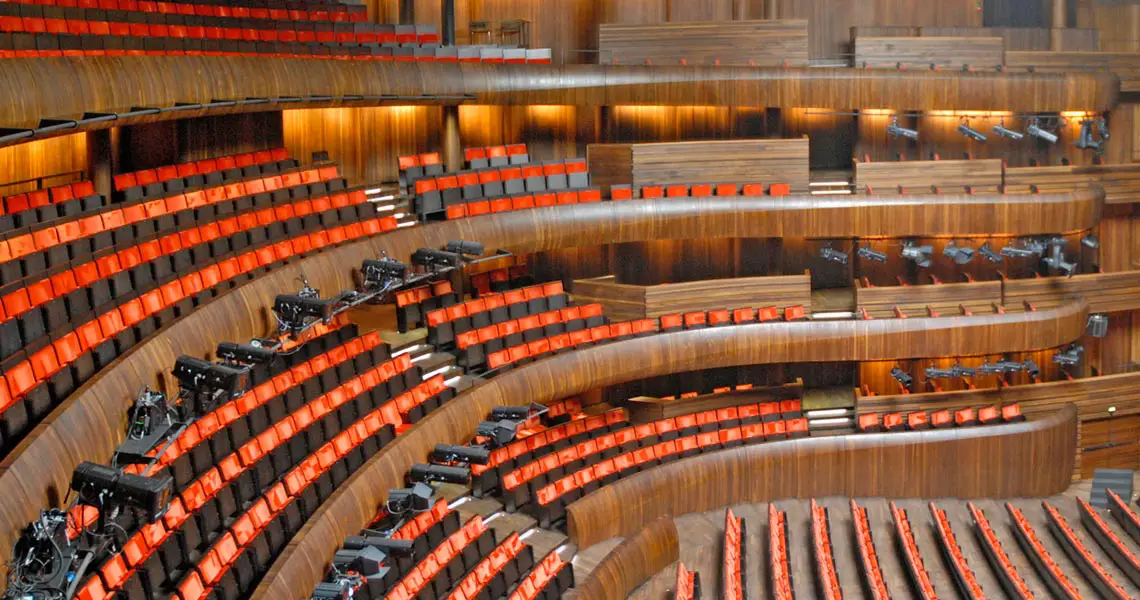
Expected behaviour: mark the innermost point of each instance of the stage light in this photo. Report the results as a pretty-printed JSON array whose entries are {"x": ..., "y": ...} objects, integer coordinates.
[
  {"x": 245, "y": 354},
  {"x": 1057, "y": 261},
  {"x": 952, "y": 373},
  {"x": 1090, "y": 241},
  {"x": 367, "y": 561},
  {"x": 919, "y": 254},
  {"x": 498, "y": 433},
  {"x": 107, "y": 488},
  {"x": 416, "y": 499},
  {"x": 514, "y": 413},
  {"x": 1016, "y": 252},
  {"x": 897, "y": 131},
  {"x": 1036, "y": 131},
  {"x": 422, "y": 473},
  {"x": 1032, "y": 368},
  {"x": 1086, "y": 141},
  {"x": 202, "y": 377},
  {"x": 872, "y": 255},
  {"x": 1069, "y": 357},
  {"x": 390, "y": 546},
  {"x": 988, "y": 253},
  {"x": 970, "y": 132},
  {"x": 293, "y": 309},
  {"x": 42, "y": 559},
  {"x": 902, "y": 377},
  {"x": 464, "y": 247},
  {"x": 991, "y": 369},
  {"x": 447, "y": 453},
  {"x": 379, "y": 272},
  {"x": 151, "y": 421},
  {"x": 1097, "y": 325},
  {"x": 1002, "y": 131},
  {"x": 960, "y": 254},
  {"x": 435, "y": 259},
  {"x": 832, "y": 255}
]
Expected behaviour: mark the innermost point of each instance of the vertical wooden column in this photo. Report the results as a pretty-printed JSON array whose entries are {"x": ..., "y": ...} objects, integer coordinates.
[
  {"x": 100, "y": 160},
  {"x": 1059, "y": 13},
  {"x": 407, "y": 10},
  {"x": 452, "y": 145},
  {"x": 771, "y": 11}
]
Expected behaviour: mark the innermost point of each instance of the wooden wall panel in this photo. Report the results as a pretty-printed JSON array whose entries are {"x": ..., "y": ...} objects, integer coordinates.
[
  {"x": 365, "y": 142},
  {"x": 1126, "y": 65},
  {"x": 706, "y": 10},
  {"x": 626, "y": 301},
  {"x": 1024, "y": 38},
  {"x": 230, "y": 134},
  {"x": 735, "y": 161},
  {"x": 633, "y": 12},
  {"x": 550, "y": 132},
  {"x": 148, "y": 145},
  {"x": 626, "y": 124},
  {"x": 38, "y": 159},
  {"x": 610, "y": 164},
  {"x": 633, "y": 561},
  {"x": 565, "y": 26},
  {"x": 1118, "y": 24},
  {"x": 1034, "y": 458},
  {"x": 758, "y": 43},
  {"x": 924, "y": 174},
  {"x": 1112, "y": 443},
  {"x": 947, "y": 52},
  {"x": 832, "y": 136}
]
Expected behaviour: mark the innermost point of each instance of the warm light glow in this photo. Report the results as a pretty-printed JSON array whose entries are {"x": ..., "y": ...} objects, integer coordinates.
[
  {"x": 877, "y": 111},
  {"x": 545, "y": 111},
  {"x": 1074, "y": 114},
  {"x": 969, "y": 113}
]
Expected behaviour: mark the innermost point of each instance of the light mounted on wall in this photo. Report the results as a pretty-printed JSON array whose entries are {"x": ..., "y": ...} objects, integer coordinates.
[
  {"x": 872, "y": 255},
  {"x": 960, "y": 254},
  {"x": 965, "y": 129},
  {"x": 1091, "y": 241},
  {"x": 919, "y": 254},
  {"x": 896, "y": 130},
  {"x": 832, "y": 255},
  {"x": 1004, "y": 132},
  {"x": 988, "y": 253},
  {"x": 1034, "y": 129}
]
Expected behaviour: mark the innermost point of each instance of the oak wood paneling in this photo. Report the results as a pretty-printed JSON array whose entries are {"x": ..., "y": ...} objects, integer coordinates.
[
  {"x": 1033, "y": 458},
  {"x": 879, "y": 302},
  {"x": 946, "y": 52},
  {"x": 354, "y": 504},
  {"x": 38, "y": 159},
  {"x": 631, "y": 562},
  {"x": 52, "y": 88},
  {"x": 610, "y": 164},
  {"x": 756, "y": 43},
  {"x": 624, "y": 301},
  {"x": 731, "y": 161},
  {"x": 1015, "y": 38},
  {"x": 1125, "y": 65},
  {"x": 1121, "y": 182},
  {"x": 1110, "y": 443},
  {"x": 926, "y": 173},
  {"x": 682, "y": 123},
  {"x": 644, "y": 409},
  {"x": 549, "y": 132},
  {"x": 230, "y": 134}
]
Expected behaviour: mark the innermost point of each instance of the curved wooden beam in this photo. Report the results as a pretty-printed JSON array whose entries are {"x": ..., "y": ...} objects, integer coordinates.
[
  {"x": 351, "y": 507},
  {"x": 51, "y": 88},
  {"x": 630, "y": 563},
  {"x": 92, "y": 422},
  {"x": 1032, "y": 458}
]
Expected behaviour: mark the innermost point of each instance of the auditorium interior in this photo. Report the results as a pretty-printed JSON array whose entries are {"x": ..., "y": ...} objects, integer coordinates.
[{"x": 586, "y": 299}]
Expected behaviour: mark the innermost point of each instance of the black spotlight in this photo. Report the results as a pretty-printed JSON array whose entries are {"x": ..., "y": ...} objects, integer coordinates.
[
  {"x": 514, "y": 413},
  {"x": 245, "y": 354},
  {"x": 203, "y": 377},
  {"x": 431, "y": 473},
  {"x": 498, "y": 432},
  {"x": 436, "y": 259},
  {"x": 293, "y": 309},
  {"x": 832, "y": 255},
  {"x": 465, "y": 248},
  {"x": 379, "y": 272},
  {"x": 416, "y": 499},
  {"x": 872, "y": 255},
  {"x": 472, "y": 455},
  {"x": 106, "y": 488},
  {"x": 902, "y": 377}
]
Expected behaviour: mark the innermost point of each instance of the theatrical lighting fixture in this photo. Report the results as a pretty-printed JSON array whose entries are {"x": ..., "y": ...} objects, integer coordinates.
[
  {"x": 41, "y": 559},
  {"x": 343, "y": 587},
  {"x": 448, "y": 454},
  {"x": 919, "y": 254},
  {"x": 422, "y": 473},
  {"x": 465, "y": 248},
  {"x": 367, "y": 561},
  {"x": 497, "y": 433},
  {"x": 960, "y": 254},
  {"x": 991, "y": 369},
  {"x": 151, "y": 420},
  {"x": 872, "y": 255},
  {"x": 415, "y": 499},
  {"x": 202, "y": 377},
  {"x": 379, "y": 272},
  {"x": 1032, "y": 368},
  {"x": 895, "y": 130},
  {"x": 952, "y": 373},
  {"x": 436, "y": 259},
  {"x": 902, "y": 377},
  {"x": 1069, "y": 357},
  {"x": 1001, "y": 131},
  {"x": 1090, "y": 241},
  {"x": 294, "y": 310},
  {"x": 1036, "y": 131},
  {"x": 1018, "y": 252},
  {"x": 965, "y": 129},
  {"x": 246, "y": 354},
  {"x": 1011, "y": 366},
  {"x": 107, "y": 488},
  {"x": 988, "y": 253},
  {"x": 1097, "y": 325},
  {"x": 390, "y": 546},
  {"x": 1086, "y": 141},
  {"x": 832, "y": 255},
  {"x": 1057, "y": 261},
  {"x": 516, "y": 413}
]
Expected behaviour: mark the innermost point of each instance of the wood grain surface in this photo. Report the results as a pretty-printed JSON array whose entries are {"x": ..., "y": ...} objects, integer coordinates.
[
  {"x": 757, "y": 43},
  {"x": 634, "y": 560},
  {"x": 622, "y": 301},
  {"x": 946, "y": 52}
]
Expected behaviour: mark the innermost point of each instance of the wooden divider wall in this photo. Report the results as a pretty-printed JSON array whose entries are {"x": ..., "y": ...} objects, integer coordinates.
[
  {"x": 763, "y": 161},
  {"x": 1014, "y": 38},
  {"x": 946, "y": 52},
  {"x": 758, "y": 43},
  {"x": 633, "y": 561},
  {"x": 627, "y": 301},
  {"x": 923, "y": 174}
]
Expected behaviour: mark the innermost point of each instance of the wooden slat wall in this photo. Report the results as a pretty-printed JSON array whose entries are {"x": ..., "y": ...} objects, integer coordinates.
[
  {"x": 880, "y": 301},
  {"x": 630, "y": 563},
  {"x": 731, "y": 161},
  {"x": 37, "y": 159},
  {"x": 644, "y": 409},
  {"x": 757, "y": 43},
  {"x": 1034, "y": 458},
  {"x": 1015, "y": 38},
  {"x": 610, "y": 164},
  {"x": 946, "y": 52},
  {"x": 925, "y": 173},
  {"x": 1121, "y": 182},
  {"x": 550, "y": 132},
  {"x": 1126, "y": 65},
  {"x": 1112, "y": 443},
  {"x": 1107, "y": 292},
  {"x": 636, "y": 301}
]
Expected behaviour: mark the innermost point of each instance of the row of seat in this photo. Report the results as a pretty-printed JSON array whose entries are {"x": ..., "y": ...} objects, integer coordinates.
[
  {"x": 497, "y": 572},
  {"x": 779, "y": 566},
  {"x": 1107, "y": 539},
  {"x": 1006, "y": 572},
  {"x": 413, "y": 304},
  {"x": 500, "y": 280},
  {"x": 496, "y": 156},
  {"x": 202, "y": 167},
  {"x": 630, "y": 192},
  {"x": 964, "y": 577},
  {"x": 734, "y": 536},
  {"x": 1124, "y": 515},
  {"x": 563, "y": 410},
  {"x": 292, "y": 11},
  {"x": 474, "y": 346},
  {"x": 822, "y": 549},
  {"x": 912, "y": 559},
  {"x": 1051, "y": 573},
  {"x": 29, "y": 208},
  {"x": 464, "y": 548},
  {"x": 475, "y": 208},
  {"x": 686, "y": 585},
  {"x": 940, "y": 419},
  {"x": 1093, "y": 571},
  {"x": 47, "y": 377},
  {"x": 548, "y": 580},
  {"x": 434, "y": 194},
  {"x": 740, "y": 387},
  {"x": 446, "y": 324},
  {"x": 551, "y": 500},
  {"x": 148, "y": 185},
  {"x": 875, "y": 585}
]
